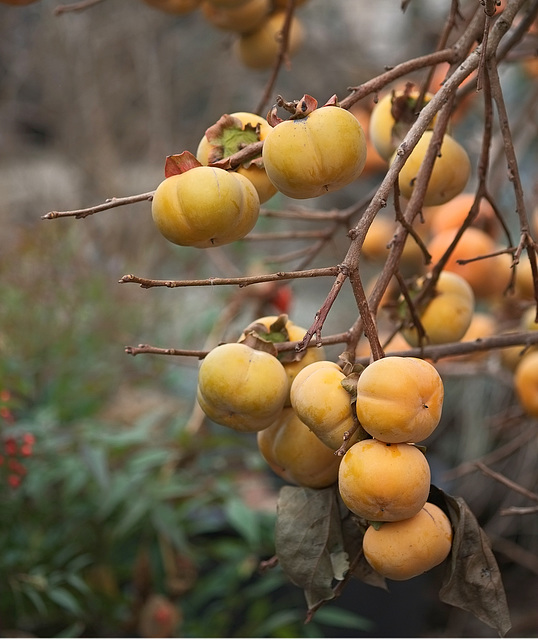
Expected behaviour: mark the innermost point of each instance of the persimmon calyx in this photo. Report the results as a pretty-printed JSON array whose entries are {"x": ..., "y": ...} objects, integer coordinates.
[
  {"x": 228, "y": 136},
  {"x": 179, "y": 163},
  {"x": 297, "y": 108}
]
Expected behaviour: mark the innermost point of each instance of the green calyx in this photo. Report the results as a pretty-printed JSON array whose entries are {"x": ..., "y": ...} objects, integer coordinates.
[{"x": 228, "y": 136}]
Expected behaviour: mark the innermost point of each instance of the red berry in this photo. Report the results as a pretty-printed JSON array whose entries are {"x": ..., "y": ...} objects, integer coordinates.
[
  {"x": 14, "y": 481},
  {"x": 10, "y": 447},
  {"x": 26, "y": 450}
]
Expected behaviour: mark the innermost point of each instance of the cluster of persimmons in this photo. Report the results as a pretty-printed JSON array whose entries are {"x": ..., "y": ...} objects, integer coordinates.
[
  {"x": 317, "y": 423},
  {"x": 256, "y": 23}
]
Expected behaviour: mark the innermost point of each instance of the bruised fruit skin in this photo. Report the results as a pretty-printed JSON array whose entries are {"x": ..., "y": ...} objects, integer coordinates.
[
  {"x": 259, "y": 48},
  {"x": 296, "y": 454},
  {"x": 399, "y": 399},
  {"x": 228, "y": 136},
  {"x": 450, "y": 174},
  {"x": 241, "y": 388},
  {"x": 321, "y": 402},
  {"x": 448, "y": 315},
  {"x": 294, "y": 333},
  {"x": 311, "y": 156},
  {"x": 205, "y": 207},
  {"x": 384, "y": 482},
  {"x": 405, "y": 549}
]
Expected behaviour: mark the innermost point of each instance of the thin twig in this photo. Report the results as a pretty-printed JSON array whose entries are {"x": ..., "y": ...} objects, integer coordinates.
[
  {"x": 514, "y": 486},
  {"x": 75, "y": 6},
  {"x": 242, "y": 281}
]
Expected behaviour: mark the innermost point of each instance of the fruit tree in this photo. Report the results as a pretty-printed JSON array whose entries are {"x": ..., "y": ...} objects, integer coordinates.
[{"x": 408, "y": 201}]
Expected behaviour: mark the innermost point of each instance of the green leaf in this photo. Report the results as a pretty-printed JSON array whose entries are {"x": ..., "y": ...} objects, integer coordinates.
[
  {"x": 472, "y": 580},
  {"x": 336, "y": 617},
  {"x": 244, "y": 520},
  {"x": 309, "y": 542},
  {"x": 65, "y": 600},
  {"x": 97, "y": 463},
  {"x": 134, "y": 513},
  {"x": 36, "y": 599}
]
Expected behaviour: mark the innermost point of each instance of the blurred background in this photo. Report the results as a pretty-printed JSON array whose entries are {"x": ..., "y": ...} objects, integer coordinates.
[{"x": 123, "y": 513}]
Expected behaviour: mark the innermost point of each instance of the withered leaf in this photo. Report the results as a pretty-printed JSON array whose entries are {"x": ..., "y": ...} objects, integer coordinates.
[
  {"x": 254, "y": 341},
  {"x": 309, "y": 540},
  {"x": 353, "y": 529},
  {"x": 472, "y": 580}
]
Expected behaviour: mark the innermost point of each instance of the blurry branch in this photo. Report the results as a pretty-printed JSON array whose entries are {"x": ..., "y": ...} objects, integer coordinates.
[
  {"x": 516, "y": 553},
  {"x": 518, "y": 511},
  {"x": 515, "y": 443},
  {"x": 526, "y": 240},
  {"x": 75, "y": 6},
  {"x": 514, "y": 486},
  {"x": 284, "y": 39}
]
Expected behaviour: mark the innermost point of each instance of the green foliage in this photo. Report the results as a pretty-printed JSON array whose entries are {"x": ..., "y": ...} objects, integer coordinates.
[{"x": 117, "y": 504}]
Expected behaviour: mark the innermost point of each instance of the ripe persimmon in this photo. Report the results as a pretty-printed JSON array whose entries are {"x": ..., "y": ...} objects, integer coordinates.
[
  {"x": 296, "y": 454},
  {"x": 489, "y": 275},
  {"x": 382, "y": 481},
  {"x": 399, "y": 399},
  {"x": 322, "y": 403},
  {"x": 405, "y": 549}
]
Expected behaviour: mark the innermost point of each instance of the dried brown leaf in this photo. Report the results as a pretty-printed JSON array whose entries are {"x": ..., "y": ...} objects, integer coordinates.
[
  {"x": 309, "y": 541},
  {"x": 472, "y": 581}
]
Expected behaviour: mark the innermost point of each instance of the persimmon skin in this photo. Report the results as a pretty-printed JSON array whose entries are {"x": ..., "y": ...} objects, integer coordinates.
[
  {"x": 384, "y": 482},
  {"x": 448, "y": 315},
  {"x": 259, "y": 49},
  {"x": 452, "y": 214},
  {"x": 380, "y": 126},
  {"x": 526, "y": 383},
  {"x": 174, "y": 6},
  {"x": 405, "y": 549},
  {"x": 296, "y": 454},
  {"x": 450, "y": 174},
  {"x": 205, "y": 207},
  {"x": 399, "y": 399},
  {"x": 295, "y": 334},
  {"x": 488, "y": 277},
  {"x": 321, "y": 402},
  {"x": 241, "y": 19},
  {"x": 241, "y": 388},
  {"x": 312, "y": 156}
]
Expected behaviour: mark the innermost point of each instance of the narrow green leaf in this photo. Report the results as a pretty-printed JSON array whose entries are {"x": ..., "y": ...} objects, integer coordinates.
[
  {"x": 65, "y": 600},
  {"x": 335, "y": 617}
]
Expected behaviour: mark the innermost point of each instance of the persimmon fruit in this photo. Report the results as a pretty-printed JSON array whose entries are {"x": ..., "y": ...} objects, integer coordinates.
[
  {"x": 407, "y": 548},
  {"x": 241, "y": 388},
  {"x": 296, "y": 454},
  {"x": 399, "y": 399},
  {"x": 382, "y": 481}
]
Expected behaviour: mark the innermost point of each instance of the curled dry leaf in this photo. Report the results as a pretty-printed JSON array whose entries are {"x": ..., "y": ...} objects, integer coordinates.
[
  {"x": 472, "y": 580},
  {"x": 309, "y": 540}
]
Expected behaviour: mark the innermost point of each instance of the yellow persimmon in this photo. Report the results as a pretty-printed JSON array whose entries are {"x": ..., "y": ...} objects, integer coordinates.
[
  {"x": 399, "y": 399},
  {"x": 405, "y": 549},
  {"x": 296, "y": 454},
  {"x": 384, "y": 482}
]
